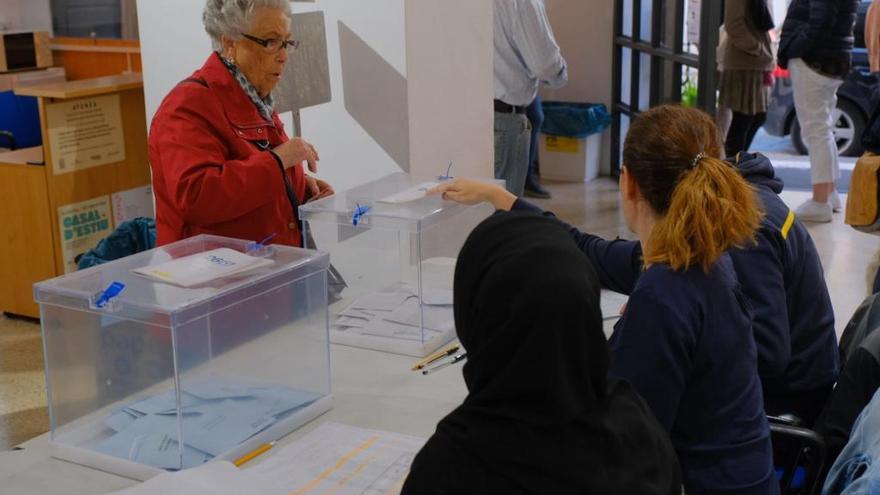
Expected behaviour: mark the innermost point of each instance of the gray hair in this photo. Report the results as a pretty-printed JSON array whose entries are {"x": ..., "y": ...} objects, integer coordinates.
[{"x": 230, "y": 18}]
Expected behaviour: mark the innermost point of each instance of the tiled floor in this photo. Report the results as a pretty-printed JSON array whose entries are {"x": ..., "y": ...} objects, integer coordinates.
[
  {"x": 22, "y": 386},
  {"x": 847, "y": 255}
]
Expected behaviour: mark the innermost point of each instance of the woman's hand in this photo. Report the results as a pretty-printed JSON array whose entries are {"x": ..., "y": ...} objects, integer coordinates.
[
  {"x": 471, "y": 192},
  {"x": 317, "y": 189},
  {"x": 296, "y": 151}
]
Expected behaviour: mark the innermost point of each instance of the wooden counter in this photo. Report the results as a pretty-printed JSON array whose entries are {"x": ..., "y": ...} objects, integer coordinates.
[
  {"x": 27, "y": 253},
  {"x": 85, "y": 87},
  {"x": 31, "y": 247}
]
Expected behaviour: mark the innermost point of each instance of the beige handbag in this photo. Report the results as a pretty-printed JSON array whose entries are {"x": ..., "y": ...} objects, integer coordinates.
[{"x": 862, "y": 211}]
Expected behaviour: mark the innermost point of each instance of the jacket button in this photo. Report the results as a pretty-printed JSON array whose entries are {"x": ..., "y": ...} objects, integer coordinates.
[
  {"x": 292, "y": 225},
  {"x": 259, "y": 131}
]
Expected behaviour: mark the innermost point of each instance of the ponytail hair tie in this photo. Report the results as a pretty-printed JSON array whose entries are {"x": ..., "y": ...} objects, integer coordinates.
[{"x": 696, "y": 160}]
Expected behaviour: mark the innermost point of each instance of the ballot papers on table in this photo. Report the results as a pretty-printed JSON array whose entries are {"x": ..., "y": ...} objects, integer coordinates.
[
  {"x": 333, "y": 458},
  {"x": 216, "y": 416},
  {"x": 396, "y": 313},
  {"x": 160, "y": 376},
  {"x": 395, "y": 247},
  {"x": 339, "y": 459}
]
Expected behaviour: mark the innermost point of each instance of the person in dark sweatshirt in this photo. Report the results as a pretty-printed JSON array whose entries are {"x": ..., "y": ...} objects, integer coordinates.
[
  {"x": 782, "y": 276},
  {"x": 816, "y": 46},
  {"x": 685, "y": 341}
]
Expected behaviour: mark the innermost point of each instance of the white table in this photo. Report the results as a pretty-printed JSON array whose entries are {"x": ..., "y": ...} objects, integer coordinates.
[{"x": 371, "y": 389}]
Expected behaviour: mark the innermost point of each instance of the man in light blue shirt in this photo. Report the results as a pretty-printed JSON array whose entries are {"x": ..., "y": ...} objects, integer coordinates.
[{"x": 526, "y": 55}]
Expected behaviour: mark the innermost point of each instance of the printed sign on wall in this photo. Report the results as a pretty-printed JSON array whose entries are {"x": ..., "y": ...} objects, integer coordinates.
[
  {"x": 85, "y": 133},
  {"x": 128, "y": 205},
  {"x": 82, "y": 226}
]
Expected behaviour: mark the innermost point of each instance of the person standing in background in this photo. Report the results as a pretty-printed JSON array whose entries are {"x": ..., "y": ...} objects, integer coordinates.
[
  {"x": 816, "y": 46},
  {"x": 746, "y": 59},
  {"x": 526, "y": 56},
  {"x": 535, "y": 114}
]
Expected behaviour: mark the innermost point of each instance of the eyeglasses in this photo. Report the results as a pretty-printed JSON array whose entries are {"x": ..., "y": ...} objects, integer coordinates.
[{"x": 273, "y": 45}]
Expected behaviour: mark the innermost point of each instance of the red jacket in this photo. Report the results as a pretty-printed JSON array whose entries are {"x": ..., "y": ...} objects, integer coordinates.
[{"x": 209, "y": 173}]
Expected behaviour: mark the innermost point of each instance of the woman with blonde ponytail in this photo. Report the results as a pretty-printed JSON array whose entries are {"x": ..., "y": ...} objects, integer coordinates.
[{"x": 685, "y": 340}]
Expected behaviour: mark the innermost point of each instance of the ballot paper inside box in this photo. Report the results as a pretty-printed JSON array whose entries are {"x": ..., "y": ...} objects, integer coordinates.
[
  {"x": 164, "y": 377},
  {"x": 393, "y": 249}
]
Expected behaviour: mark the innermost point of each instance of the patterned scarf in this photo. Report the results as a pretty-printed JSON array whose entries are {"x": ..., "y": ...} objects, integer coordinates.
[{"x": 264, "y": 106}]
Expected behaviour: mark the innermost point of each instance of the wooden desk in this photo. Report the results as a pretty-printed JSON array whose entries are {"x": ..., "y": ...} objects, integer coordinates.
[
  {"x": 27, "y": 253},
  {"x": 31, "y": 195},
  {"x": 85, "y": 87}
]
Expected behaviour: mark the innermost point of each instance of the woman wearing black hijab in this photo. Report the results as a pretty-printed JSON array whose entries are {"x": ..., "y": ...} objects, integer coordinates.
[{"x": 541, "y": 415}]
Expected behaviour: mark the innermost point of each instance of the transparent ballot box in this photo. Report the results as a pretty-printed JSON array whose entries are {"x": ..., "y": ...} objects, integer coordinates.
[
  {"x": 144, "y": 375},
  {"x": 392, "y": 253}
]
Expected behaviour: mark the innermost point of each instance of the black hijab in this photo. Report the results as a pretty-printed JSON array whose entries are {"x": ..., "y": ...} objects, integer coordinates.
[{"x": 540, "y": 415}]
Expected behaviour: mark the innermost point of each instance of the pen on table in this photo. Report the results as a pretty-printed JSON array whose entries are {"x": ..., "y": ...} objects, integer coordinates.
[
  {"x": 437, "y": 355},
  {"x": 256, "y": 452},
  {"x": 456, "y": 359}
]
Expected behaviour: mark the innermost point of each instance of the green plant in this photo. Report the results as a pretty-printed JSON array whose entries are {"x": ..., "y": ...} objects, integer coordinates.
[{"x": 689, "y": 93}]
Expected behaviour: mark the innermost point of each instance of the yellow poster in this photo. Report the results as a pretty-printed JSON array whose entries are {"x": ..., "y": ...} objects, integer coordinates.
[
  {"x": 559, "y": 144},
  {"x": 85, "y": 133},
  {"x": 82, "y": 226}
]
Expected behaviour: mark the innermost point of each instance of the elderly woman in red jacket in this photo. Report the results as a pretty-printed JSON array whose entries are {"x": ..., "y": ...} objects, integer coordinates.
[{"x": 222, "y": 163}]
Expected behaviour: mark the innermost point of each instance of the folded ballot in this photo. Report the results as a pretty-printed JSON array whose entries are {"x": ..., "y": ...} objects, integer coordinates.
[
  {"x": 412, "y": 194},
  {"x": 199, "y": 269},
  {"x": 216, "y": 415}
]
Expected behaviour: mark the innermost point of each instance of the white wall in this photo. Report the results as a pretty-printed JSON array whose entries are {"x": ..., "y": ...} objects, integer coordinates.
[
  {"x": 349, "y": 155},
  {"x": 451, "y": 85},
  {"x": 10, "y": 15},
  {"x": 451, "y": 49},
  {"x": 584, "y": 30},
  {"x": 36, "y": 15},
  {"x": 33, "y": 15},
  {"x": 172, "y": 46}
]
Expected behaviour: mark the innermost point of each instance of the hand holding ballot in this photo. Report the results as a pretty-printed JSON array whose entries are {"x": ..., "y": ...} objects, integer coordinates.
[{"x": 471, "y": 192}]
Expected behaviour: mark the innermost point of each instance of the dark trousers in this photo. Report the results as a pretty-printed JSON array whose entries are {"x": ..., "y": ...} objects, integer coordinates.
[
  {"x": 535, "y": 114},
  {"x": 742, "y": 131}
]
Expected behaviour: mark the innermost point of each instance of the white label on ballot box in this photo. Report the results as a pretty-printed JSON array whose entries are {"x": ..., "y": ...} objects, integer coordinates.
[{"x": 201, "y": 268}]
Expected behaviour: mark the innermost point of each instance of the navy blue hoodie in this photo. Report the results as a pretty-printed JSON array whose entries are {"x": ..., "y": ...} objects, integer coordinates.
[
  {"x": 685, "y": 344},
  {"x": 783, "y": 279}
]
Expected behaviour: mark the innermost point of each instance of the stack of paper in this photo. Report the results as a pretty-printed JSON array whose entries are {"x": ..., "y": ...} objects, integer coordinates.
[
  {"x": 331, "y": 459},
  {"x": 216, "y": 415},
  {"x": 199, "y": 269},
  {"x": 396, "y": 313}
]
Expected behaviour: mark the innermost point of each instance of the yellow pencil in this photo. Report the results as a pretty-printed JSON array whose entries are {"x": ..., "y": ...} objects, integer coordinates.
[
  {"x": 433, "y": 357},
  {"x": 248, "y": 457}
]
